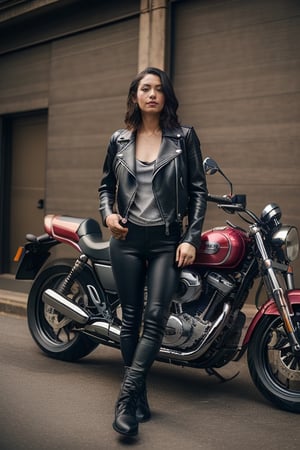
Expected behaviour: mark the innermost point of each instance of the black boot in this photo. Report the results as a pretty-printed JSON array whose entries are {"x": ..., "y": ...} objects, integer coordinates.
[
  {"x": 143, "y": 413},
  {"x": 126, "y": 407}
]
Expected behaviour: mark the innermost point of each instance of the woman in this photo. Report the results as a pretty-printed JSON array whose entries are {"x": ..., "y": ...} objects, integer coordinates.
[{"x": 152, "y": 178}]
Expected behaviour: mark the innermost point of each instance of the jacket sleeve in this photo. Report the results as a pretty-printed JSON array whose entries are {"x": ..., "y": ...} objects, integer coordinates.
[
  {"x": 197, "y": 189},
  {"x": 107, "y": 188}
]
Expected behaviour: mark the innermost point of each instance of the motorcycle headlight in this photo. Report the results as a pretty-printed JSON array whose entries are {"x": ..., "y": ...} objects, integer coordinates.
[{"x": 287, "y": 239}]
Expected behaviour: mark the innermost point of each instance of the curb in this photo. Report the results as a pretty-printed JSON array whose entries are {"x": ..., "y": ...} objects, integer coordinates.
[{"x": 13, "y": 303}]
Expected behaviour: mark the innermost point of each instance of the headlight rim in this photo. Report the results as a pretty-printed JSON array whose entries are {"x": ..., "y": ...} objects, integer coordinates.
[{"x": 286, "y": 238}]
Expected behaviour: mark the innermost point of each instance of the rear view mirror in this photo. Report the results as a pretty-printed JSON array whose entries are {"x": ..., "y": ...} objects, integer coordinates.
[{"x": 210, "y": 166}]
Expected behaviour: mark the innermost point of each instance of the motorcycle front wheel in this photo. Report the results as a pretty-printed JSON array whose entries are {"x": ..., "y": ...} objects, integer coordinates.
[
  {"x": 274, "y": 368},
  {"x": 55, "y": 334}
]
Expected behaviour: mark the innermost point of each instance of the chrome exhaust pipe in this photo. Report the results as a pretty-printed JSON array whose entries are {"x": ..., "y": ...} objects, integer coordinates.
[
  {"x": 104, "y": 328},
  {"x": 63, "y": 305},
  {"x": 69, "y": 309}
]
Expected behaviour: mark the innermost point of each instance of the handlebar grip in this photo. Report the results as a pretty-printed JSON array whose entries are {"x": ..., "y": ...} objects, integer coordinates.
[
  {"x": 219, "y": 199},
  {"x": 237, "y": 203}
]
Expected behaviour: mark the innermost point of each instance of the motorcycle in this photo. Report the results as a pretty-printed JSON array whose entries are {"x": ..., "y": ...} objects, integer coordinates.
[{"x": 74, "y": 306}]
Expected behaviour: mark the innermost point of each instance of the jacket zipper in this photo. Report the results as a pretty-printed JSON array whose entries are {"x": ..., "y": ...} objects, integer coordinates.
[
  {"x": 121, "y": 161},
  {"x": 178, "y": 215}
]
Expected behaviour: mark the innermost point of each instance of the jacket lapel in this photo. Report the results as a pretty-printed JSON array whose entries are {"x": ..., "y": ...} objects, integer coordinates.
[
  {"x": 170, "y": 148},
  {"x": 126, "y": 153}
]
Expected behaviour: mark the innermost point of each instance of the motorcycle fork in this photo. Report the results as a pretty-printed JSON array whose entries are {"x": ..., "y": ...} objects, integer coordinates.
[
  {"x": 290, "y": 278},
  {"x": 282, "y": 302}
]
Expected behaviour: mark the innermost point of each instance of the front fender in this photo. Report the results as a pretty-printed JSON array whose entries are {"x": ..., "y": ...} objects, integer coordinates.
[{"x": 269, "y": 309}]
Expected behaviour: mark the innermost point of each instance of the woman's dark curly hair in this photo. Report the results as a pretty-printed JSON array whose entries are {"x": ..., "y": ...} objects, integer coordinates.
[{"x": 168, "y": 116}]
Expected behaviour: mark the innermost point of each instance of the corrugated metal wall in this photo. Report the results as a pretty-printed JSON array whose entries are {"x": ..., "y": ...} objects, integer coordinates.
[
  {"x": 236, "y": 70},
  {"x": 88, "y": 86},
  {"x": 79, "y": 71}
]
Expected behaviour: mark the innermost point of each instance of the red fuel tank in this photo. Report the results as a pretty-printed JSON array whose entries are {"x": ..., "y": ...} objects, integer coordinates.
[{"x": 223, "y": 247}]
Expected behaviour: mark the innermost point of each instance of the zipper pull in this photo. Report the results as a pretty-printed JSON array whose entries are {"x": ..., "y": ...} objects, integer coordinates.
[{"x": 167, "y": 229}]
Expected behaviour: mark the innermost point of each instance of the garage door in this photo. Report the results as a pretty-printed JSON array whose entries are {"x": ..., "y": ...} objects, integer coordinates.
[{"x": 236, "y": 71}]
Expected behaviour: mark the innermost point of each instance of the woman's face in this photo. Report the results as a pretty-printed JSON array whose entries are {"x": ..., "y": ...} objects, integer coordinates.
[{"x": 150, "y": 96}]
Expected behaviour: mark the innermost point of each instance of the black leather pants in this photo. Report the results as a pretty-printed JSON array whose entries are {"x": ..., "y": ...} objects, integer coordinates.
[{"x": 146, "y": 257}]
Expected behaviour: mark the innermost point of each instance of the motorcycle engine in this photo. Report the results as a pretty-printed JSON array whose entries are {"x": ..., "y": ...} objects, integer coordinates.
[
  {"x": 186, "y": 326},
  {"x": 190, "y": 287}
]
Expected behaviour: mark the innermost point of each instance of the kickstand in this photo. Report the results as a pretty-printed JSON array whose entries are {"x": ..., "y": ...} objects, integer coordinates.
[{"x": 211, "y": 371}]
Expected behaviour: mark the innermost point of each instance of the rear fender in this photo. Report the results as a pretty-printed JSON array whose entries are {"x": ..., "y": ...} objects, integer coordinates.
[
  {"x": 269, "y": 309},
  {"x": 33, "y": 256}
]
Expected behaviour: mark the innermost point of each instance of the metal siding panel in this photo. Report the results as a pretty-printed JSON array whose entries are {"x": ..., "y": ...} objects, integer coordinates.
[
  {"x": 90, "y": 75},
  {"x": 236, "y": 73},
  {"x": 59, "y": 19},
  {"x": 24, "y": 80}
]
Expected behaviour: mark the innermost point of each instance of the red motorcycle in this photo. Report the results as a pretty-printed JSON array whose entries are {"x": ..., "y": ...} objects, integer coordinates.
[{"x": 74, "y": 306}]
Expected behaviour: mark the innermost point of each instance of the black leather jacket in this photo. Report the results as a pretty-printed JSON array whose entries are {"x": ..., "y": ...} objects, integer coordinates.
[{"x": 179, "y": 183}]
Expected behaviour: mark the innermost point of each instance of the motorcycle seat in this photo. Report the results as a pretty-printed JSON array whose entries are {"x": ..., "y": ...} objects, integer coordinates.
[
  {"x": 91, "y": 247},
  {"x": 83, "y": 233}
]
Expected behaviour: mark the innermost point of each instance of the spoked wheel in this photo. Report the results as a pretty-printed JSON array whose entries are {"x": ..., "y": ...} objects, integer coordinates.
[
  {"x": 54, "y": 333},
  {"x": 274, "y": 368}
]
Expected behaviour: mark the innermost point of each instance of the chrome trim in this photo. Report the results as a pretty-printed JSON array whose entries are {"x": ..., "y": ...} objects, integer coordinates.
[
  {"x": 167, "y": 353},
  {"x": 65, "y": 306},
  {"x": 105, "y": 329}
]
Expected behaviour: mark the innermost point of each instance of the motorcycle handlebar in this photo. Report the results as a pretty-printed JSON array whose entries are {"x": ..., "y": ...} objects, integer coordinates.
[
  {"x": 219, "y": 199},
  {"x": 236, "y": 200}
]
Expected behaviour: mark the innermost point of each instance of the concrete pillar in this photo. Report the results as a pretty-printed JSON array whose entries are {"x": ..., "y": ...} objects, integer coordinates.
[{"x": 152, "y": 34}]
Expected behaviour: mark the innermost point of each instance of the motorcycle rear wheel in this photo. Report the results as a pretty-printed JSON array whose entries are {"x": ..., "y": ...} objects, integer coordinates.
[
  {"x": 54, "y": 333},
  {"x": 274, "y": 369}
]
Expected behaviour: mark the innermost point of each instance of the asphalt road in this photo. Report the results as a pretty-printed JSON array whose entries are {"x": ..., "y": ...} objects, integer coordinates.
[{"x": 49, "y": 405}]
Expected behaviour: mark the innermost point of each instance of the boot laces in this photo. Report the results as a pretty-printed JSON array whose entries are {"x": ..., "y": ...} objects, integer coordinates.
[{"x": 128, "y": 398}]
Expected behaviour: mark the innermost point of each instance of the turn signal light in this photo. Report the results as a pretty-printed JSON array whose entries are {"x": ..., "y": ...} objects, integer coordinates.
[{"x": 18, "y": 255}]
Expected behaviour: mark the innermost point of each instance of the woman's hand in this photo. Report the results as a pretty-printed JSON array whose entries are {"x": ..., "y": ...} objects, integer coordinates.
[
  {"x": 113, "y": 223},
  {"x": 185, "y": 254}
]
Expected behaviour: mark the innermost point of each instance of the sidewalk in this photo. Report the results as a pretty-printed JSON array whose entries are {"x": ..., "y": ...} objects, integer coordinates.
[
  {"x": 13, "y": 302},
  {"x": 13, "y": 295}
]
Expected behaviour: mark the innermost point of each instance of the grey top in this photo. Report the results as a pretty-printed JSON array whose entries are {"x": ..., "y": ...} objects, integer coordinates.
[{"x": 144, "y": 210}]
